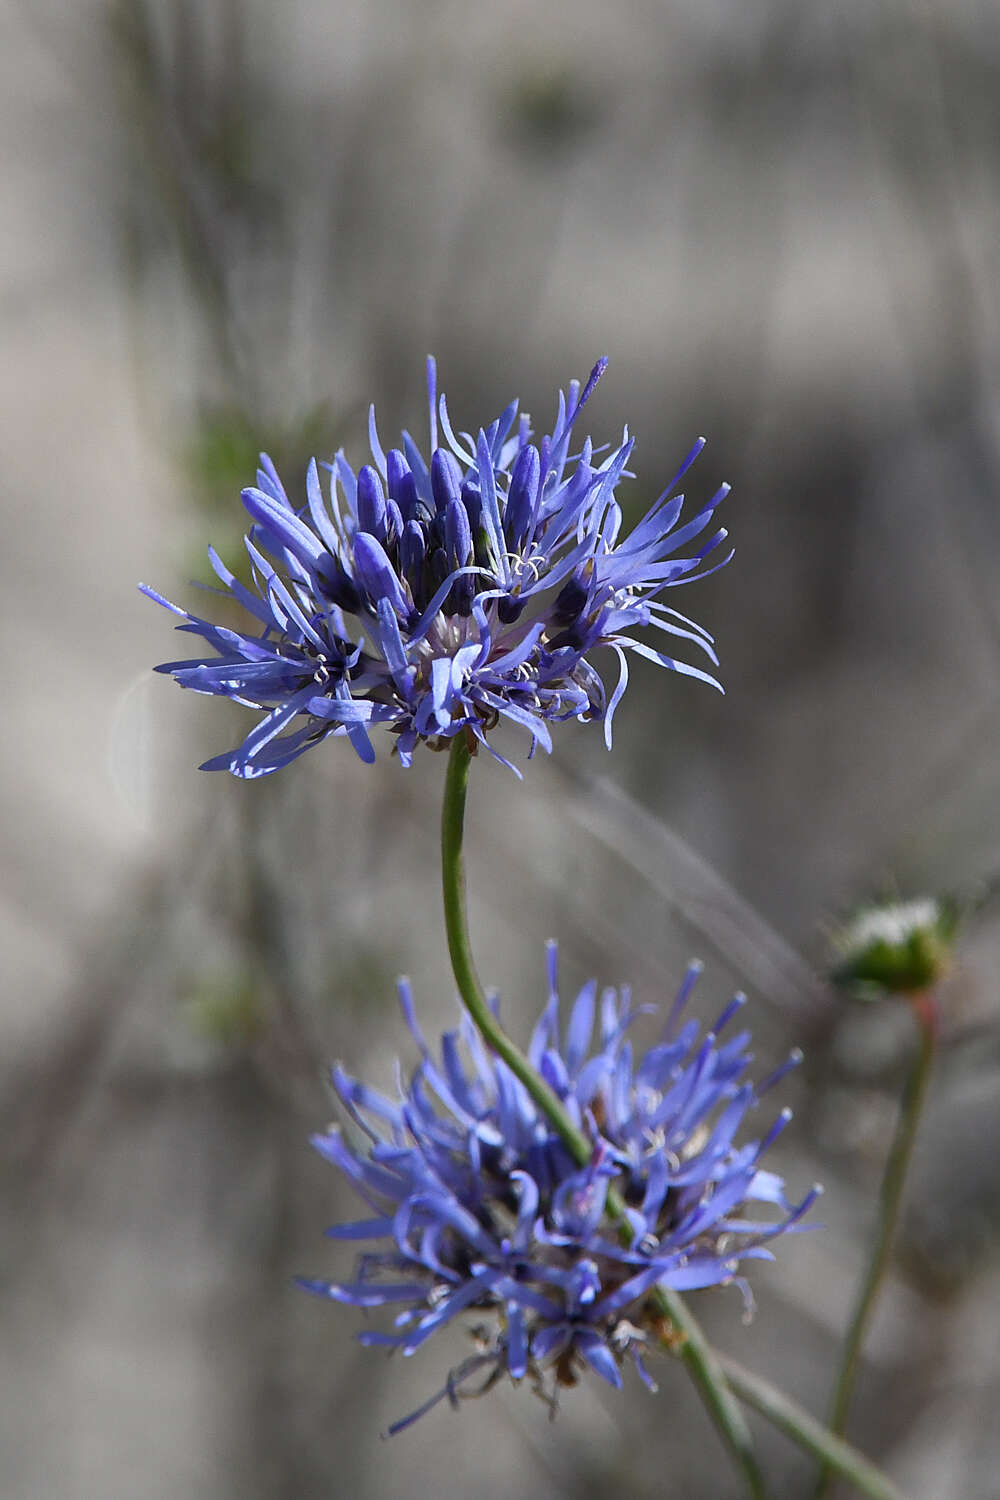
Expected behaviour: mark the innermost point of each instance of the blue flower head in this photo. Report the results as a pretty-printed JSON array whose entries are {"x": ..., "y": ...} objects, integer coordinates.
[
  {"x": 477, "y": 1208},
  {"x": 436, "y": 598}
]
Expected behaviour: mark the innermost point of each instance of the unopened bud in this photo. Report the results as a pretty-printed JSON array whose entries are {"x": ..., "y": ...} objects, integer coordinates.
[{"x": 899, "y": 948}]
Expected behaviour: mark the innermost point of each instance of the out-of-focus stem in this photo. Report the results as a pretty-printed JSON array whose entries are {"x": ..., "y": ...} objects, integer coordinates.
[
  {"x": 796, "y": 1423},
  {"x": 926, "y": 1013}
]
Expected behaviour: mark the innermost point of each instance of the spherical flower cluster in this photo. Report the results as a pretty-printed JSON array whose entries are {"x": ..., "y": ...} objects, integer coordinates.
[
  {"x": 477, "y": 1206},
  {"x": 436, "y": 598}
]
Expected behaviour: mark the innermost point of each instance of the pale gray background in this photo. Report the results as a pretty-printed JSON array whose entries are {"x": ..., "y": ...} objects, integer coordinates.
[{"x": 227, "y": 224}]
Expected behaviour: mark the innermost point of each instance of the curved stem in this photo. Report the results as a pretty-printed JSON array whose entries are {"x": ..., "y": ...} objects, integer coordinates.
[
  {"x": 463, "y": 967},
  {"x": 687, "y": 1337},
  {"x": 795, "y": 1422},
  {"x": 926, "y": 1013}
]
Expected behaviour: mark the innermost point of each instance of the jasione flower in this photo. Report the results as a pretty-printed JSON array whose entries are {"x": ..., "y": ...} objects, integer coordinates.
[
  {"x": 438, "y": 597},
  {"x": 478, "y": 1210}
]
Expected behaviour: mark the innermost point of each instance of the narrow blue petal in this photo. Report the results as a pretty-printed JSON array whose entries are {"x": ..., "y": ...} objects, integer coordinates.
[
  {"x": 600, "y": 1359},
  {"x": 393, "y": 648},
  {"x": 371, "y": 504},
  {"x": 250, "y": 602},
  {"x": 581, "y": 1026},
  {"x": 683, "y": 667},
  {"x": 697, "y": 1273},
  {"x": 535, "y": 726},
  {"x": 431, "y": 374},
  {"x": 546, "y": 1342},
  {"x": 361, "y": 1229},
  {"x": 364, "y": 1174},
  {"x": 375, "y": 573},
  {"x": 459, "y": 1300},
  {"x": 317, "y": 510},
  {"x": 284, "y": 524},
  {"x": 363, "y": 1293},
  {"x": 517, "y": 1343},
  {"x": 456, "y": 447},
  {"x": 374, "y": 444},
  {"x": 491, "y": 508}
]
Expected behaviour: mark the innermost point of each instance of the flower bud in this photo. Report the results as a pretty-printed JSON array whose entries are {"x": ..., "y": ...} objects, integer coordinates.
[{"x": 895, "y": 947}]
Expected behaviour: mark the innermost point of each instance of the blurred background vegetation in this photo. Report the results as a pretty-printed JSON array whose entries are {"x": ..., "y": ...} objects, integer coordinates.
[{"x": 228, "y": 228}]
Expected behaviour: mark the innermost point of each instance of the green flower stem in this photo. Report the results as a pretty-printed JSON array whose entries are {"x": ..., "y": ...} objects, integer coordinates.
[
  {"x": 688, "y": 1339},
  {"x": 469, "y": 987},
  {"x": 795, "y": 1422},
  {"x": 706, "y": 1370},
  {"x": 926, "y": 1012}
]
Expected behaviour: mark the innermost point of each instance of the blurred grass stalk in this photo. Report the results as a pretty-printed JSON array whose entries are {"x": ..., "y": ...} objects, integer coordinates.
[
  {"x": 837, "y": 1456},
  {"x": 925, "y": 1011}
]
